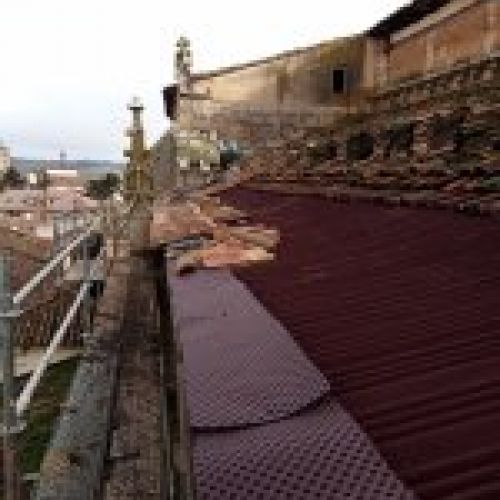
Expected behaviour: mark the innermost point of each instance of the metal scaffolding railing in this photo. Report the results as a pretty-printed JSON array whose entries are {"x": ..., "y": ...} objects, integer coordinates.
[{"x": 15, "y": 403}]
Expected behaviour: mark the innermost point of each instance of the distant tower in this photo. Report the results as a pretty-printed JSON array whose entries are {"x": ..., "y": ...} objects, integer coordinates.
[
  {"x": 183, "y": 63},
  {"x": 63, "y": 159},
  {"x": 138, "y": 185},
  {"x": 182, "y": 128}
]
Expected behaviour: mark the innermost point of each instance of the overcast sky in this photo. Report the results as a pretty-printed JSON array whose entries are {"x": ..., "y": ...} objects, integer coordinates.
[{"x": 68, "y": 68}]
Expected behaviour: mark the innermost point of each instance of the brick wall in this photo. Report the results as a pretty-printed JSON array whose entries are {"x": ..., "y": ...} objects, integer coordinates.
[
  {"x": 461, "y": 37},
  {"x": 408, "y": 58},
  {"x": 493, "y": 13},
  {"x": 462, "y": 31}
]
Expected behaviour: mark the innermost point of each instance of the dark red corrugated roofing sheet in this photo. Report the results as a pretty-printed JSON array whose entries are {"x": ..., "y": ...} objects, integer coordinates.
[{"x": 400, "y": 309}]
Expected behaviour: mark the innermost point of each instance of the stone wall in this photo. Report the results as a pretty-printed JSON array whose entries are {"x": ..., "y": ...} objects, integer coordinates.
[
  {"x": 253, "y": 124},
  {"x": 440, "y": 134},
  {"x": 301, "y": 77},
  {"x": 162, "y": 162},
  {"x": 294, "y": 88}
]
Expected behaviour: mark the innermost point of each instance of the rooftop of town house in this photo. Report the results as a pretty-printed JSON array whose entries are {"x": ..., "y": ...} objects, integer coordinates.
[{"x": 57, "y": 199}]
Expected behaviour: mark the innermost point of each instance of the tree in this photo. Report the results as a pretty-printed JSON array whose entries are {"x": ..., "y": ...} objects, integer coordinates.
[
  {"x": 228, "y": 157},
  {"x": 104, "y": 187},
  {"x": 12, "y": 179}
]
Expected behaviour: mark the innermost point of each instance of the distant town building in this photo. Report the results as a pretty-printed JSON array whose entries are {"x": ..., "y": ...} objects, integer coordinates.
[
  {"x": 32, "y": 203},
  {"x": 64, "y": 179},
  {"x": 4, "y": 158},
  {"x": 22, "y": 201},
  {"x": 31, "y": 211}
]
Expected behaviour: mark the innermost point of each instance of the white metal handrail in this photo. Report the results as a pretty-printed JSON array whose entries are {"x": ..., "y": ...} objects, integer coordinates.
[
  {"x": 10, "y": 309},
  {"x": 27, "y": 392},
  {"x": 35, "y": 281},
  {"x": 30, "y": 387},
  {"x": 24, "y": 398}
]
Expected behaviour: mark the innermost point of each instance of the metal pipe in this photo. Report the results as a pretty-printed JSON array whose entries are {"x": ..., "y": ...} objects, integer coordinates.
[
  {"x": 27, "y": 393},
  {"x": 114, "y": 232},
  {"x": 86, "y": 279},
  {"x": 10, "y": 428},
  {"x": 56, "y": 238},
  {"x": 63, "y": 228},
  {"x": 57, "y": 242}
]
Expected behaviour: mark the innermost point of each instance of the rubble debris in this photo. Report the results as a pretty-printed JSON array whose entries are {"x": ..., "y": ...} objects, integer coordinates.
[
  {"x": 257, "y": 235},
  {"x": 203, "y": 233},
  {"x": 188, "y": 263},
  {"x": 176, "y": 222},
  {"x": 222, "y": 254},
  {"x": 211, "y": 207}
]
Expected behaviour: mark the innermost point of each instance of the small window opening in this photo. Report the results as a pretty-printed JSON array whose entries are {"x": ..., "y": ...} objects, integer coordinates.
[{"x": 339, "y": 80}]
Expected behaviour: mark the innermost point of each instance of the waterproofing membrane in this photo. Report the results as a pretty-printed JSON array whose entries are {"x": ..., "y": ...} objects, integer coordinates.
[
  {"x": 321, "y": 454},
  {"x": 241, "y": 367}
]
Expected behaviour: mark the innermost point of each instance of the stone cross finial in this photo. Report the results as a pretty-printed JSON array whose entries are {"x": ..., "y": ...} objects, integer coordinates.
[{"x": 183, "y": 61}]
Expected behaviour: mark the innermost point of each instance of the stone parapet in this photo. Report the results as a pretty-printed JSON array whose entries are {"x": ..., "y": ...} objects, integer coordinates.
[
  {"x": 74, "y": 463},
  {"x": 463, "y": 81}
]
